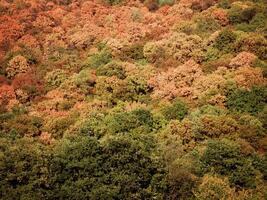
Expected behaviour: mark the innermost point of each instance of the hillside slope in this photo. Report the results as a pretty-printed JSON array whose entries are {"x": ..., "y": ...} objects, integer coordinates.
[{"x": 116, "y": 99}]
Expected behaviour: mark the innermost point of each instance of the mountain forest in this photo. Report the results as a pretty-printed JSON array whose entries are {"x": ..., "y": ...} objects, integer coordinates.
[{"x": 133, "y": 99}]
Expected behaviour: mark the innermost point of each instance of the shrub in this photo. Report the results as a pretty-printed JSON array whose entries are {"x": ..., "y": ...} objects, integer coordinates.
[
  {"x": 217, "y": 126},
  {"x": 206, "y": 26},
  {"x": 234, "y": 165},
  {"x": 261, "y": 64},
  {"x": 80, "y": 168},
  {"x": 24, "y": 125},
  {"x": 212, "y": 187},
  {"x": 57, "y": 126},
  {"x": 23, "y": 171},
  {"x": 98, "y": 59},
  {"x": 225, "y": 40},
  {"x": 6, "y": 94},
  {"x": 111, "y": 69},
  {"x": 154, "y": 52},
  {"x": 248, "y": 77},
  {"x": 253, "y": 43},
  {"x": 252, "y": 101},
  {"x": 178, "y": 110},
  {"x": 16, "y": 65},
  {"x": 128, "y": 121},
  {"x": 113, "y": 2},
  {"x": 152, "y": 5},
  {"x": 133, "y": 52},
  {"x": 178, "y": 47},
  {"x": 165, "y": 2},
  {"x": 258, "y": 23},
  {"x": 175, "y": 82},
  {"x": 242, "y": 59},
  {"x": 85, "y": 80},
  {"x": 55, "y": 78},
  {"x": 202, "y": 5},
  {"x": 251, "y": 129},
  {"x": 187, "y": 27},
  {"x": 225, "y": 4},
  {"x": 238, "y": 15}
]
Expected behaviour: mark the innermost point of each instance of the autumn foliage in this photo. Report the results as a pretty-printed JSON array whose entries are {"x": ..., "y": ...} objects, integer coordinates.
[{"x": 133, "y": 99}]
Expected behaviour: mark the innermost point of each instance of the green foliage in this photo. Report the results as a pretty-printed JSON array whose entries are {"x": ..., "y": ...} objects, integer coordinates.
[
  {"x": 111, "y": 69},
  {"x": 98, "y": 59},
  {"x": 133, "y": 52},
  {"x": 225, "y": 4},
  {"x": 212, "y": 54},
  {"x": 260, "y": 163},
  {"x": 154, "y": 52},
  {"x": 258, "y": 23},
  {"x": 254, "y": 43},
  {"x": 252, "y": 101},
  {"x": 85, "y": 80},
  {"x": 112, "y": 127},
  {"x": 206, "y": 26},
  {"x": 55, "y": 78},
  {"x": 118, "y": 169},
  {"x": 234, "y": 165},
  {"x": 187, "y": 27},
  {"x": 113, "y": 2},
  {"x": 178, "y": 110},
  {"x": 59, "y": 125},
  {"x": 225, "y": 40},
  {"x": 126, "y": 122},
  {"x": 23, "y": 169},
  {"x": 238, "y": 15},
  {"x": 23, "y": 125},
  {"x": 213, "y": 187},
  {"x": 165, "y": 2},
  {"x": 262, "y": 65}
]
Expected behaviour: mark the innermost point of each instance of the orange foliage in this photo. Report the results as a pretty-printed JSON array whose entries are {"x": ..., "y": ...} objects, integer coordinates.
[
  {"x": 175, "y": 81},
  {"x": 221, "y": 16},
  {"x": 6, "y": 94},
  {"x": 248, "y": 76},
  {"x": 10, "y": 31},
  {"x": 26, "y": 80},
  {"x": 242, "y": 59},
  {"x": 17, "y": 65},
  {"x": 29, "y": 41}
]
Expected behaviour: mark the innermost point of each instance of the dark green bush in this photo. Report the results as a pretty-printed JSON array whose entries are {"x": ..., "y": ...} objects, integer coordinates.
[
  {"x": 225, "y": 158},
  {"x": 238, "y": 15},
  {"x": 128, "y": 121},
  {"x": 258, "y": 23},
  {"x": 178, "y": 110},
  {"x": 165, "y": 2},
  {"x": 111, "y": 69},
  {"x": 98, "y": 59},
  {"x": 133, "y": 52},
  {"x": 262, "y": 65},
  {"x": 118, "y": 169},
  {"x": 242, "y": 100},
  {"x": 206, "y": 26},
  {"x": 24, "y": 170},
  {"x": 225, "y": 40},
  {"x": 225, "y": 4}
]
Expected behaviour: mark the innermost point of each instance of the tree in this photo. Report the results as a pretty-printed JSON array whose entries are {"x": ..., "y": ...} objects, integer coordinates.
[
  {"x": 177, "y": 110},
  {"x": 238, "y": 168},
  {"x": 213, "y": 188},
  {"x": 16, "y": 65}
]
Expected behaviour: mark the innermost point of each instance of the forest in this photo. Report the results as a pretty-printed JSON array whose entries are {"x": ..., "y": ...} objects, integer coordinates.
[{"x": 133, "y": 99}]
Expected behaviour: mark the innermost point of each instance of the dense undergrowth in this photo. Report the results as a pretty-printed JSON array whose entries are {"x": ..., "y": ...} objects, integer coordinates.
[{"x": 114, "y": 99}]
